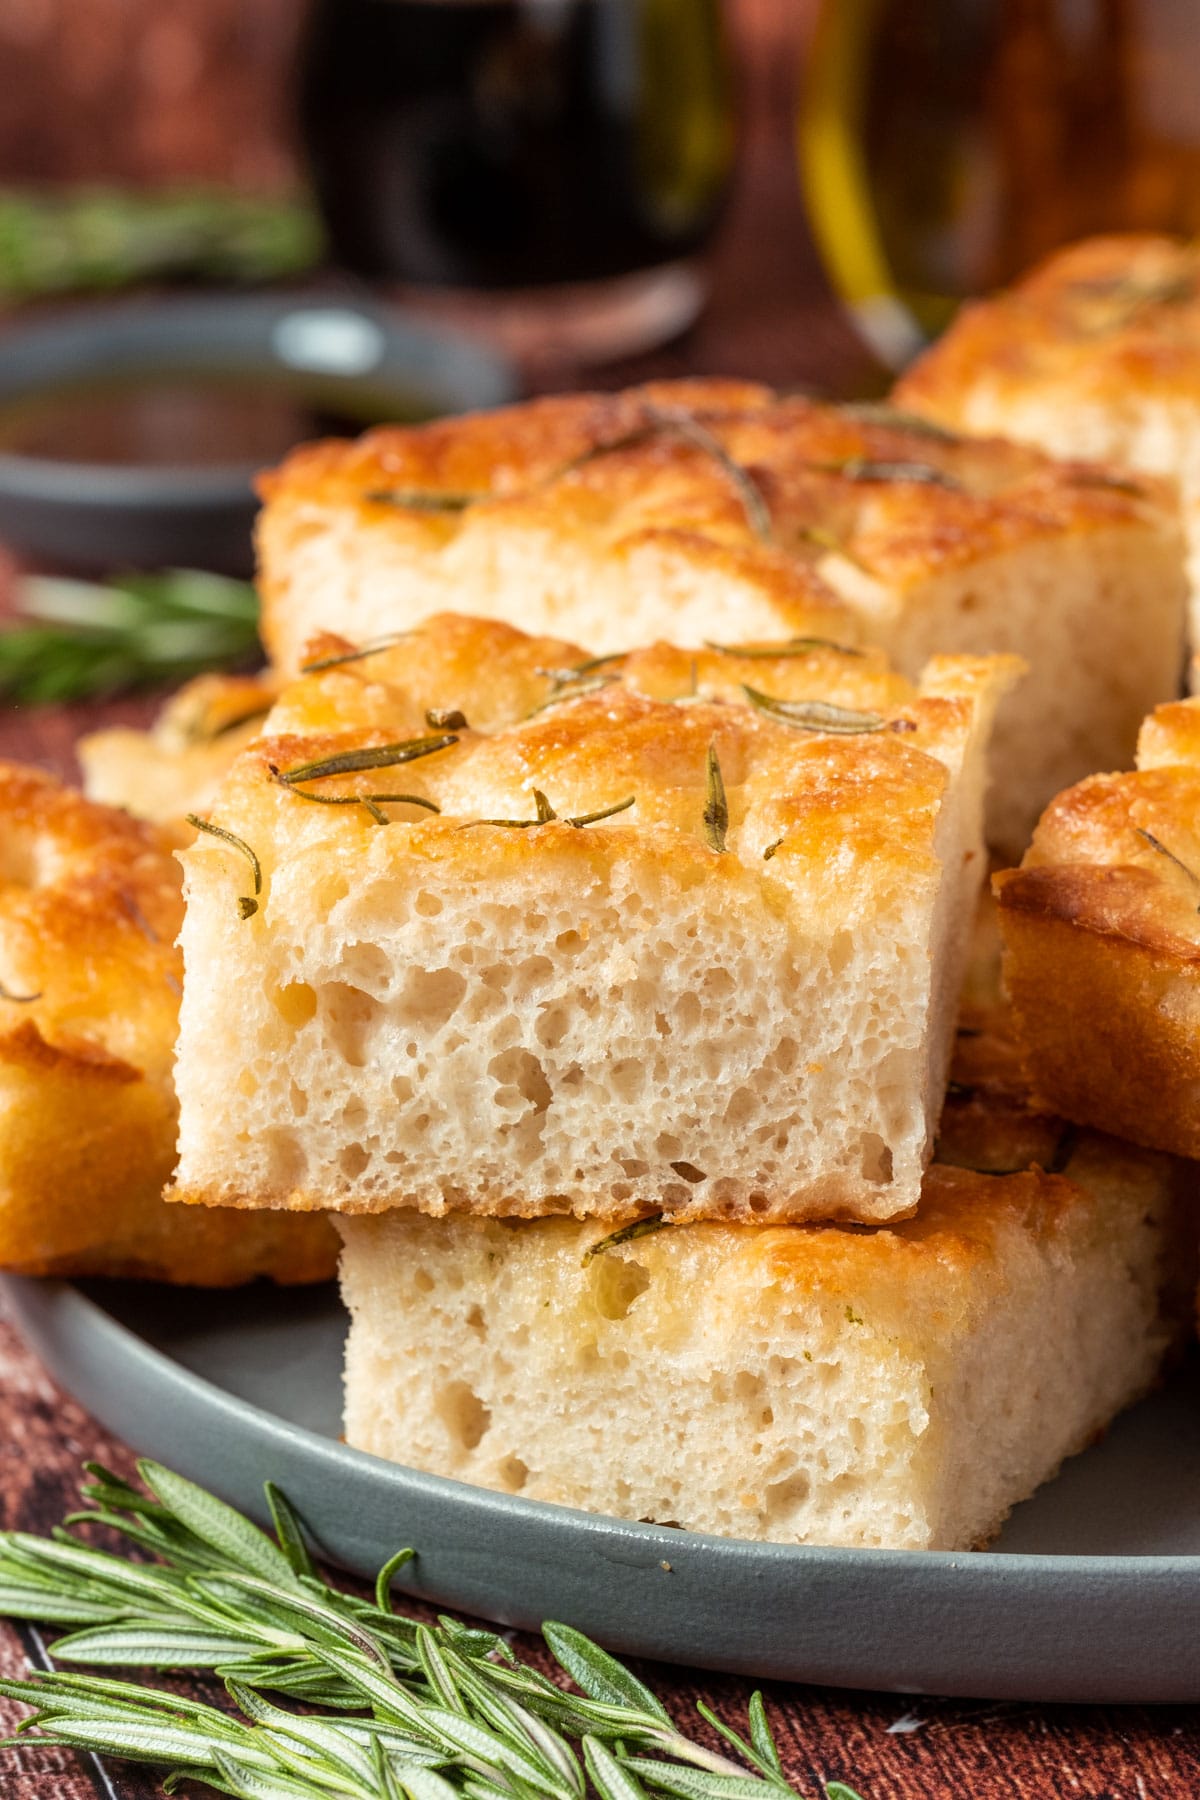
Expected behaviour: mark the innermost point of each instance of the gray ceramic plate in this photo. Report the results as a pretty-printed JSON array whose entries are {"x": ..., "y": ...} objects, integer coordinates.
[{"x": 1092, "y": 1593}]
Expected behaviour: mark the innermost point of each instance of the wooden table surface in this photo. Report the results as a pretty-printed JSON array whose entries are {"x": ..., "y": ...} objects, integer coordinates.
[{"x": 770, "y": 317}]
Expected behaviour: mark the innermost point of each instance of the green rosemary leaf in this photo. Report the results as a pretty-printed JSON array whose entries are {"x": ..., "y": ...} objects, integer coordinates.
[
  {"x": 449, "y": 720},
  {"x": 245, "y": 1782},
  {"x": 1157, "y": 844},
  {"x": 372, "y": 802},
  {"x": 385, "y": 1577},
  {"x": 799, "y": 646},
  {"x": 626, "y": 1235},
  {"x": 18, "y": 999},
  {"x": 124, "y": 1647},
  {"x": 289, "y": 1531},
  {"x": 228, "y": 1532},
  {"x": 424, "y": 1784},
  {"x": 546, "y": 813},
  {"x": 423, "y": 499},
  {"x": 716, "y": 806},
  {"x": 863, "y": 468},
  {"x": 754, "y": 502},
  {"x": 579, "y": 820},
  {"x": 761, "y": 1735},
  {"x": 768, "y": 1766},
  {"x": 247, "y": 906},
  {"x": 586, "y": 685},
  {"x": 352, "y": 656},
  {"x": 698, "y": 1784},
  {"x": 566, "y": 677},
  {"x": 879, "y": 412},
  {"x": 354, "y": 762},
  {"x": 611, "y": 1780},
  {"x": 837, "y": 1790},
  {"x": 815, "y": 715},
  {"x": 600, "y": 1675}
]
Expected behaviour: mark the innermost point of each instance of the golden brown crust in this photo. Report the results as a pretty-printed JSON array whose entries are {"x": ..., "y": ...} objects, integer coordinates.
[
  {"x": 639, "y": 724},
  {"x": 175, "y": 767},
  {"x": 1107, "y": 320},
  {"x": 604, "y": 468},
  {"x": 90, "y": 906}
]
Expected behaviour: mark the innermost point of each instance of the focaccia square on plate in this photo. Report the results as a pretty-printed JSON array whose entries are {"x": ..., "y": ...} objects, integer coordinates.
[
  {"x": 902, "y": 1387},
  {"x": 530, "y": 932},
  {"x": 715, "y": 510}
]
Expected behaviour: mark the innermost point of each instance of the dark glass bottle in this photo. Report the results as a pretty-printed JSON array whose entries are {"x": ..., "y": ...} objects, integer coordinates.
[
  {"x": 509, "y": 143},
  {"x": 948, "y": 144}
]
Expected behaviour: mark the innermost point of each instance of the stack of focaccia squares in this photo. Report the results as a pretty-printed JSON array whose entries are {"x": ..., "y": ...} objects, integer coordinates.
[{"x": 585, "y": 932}]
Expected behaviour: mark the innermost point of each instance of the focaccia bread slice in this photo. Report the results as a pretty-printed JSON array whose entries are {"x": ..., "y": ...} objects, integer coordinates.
[
  {"x": 90, "y": 907},
  {"x": 685, "y": 933},
  {"x": 1096, "y": 353},
  {"x": 900, "y": 1387},
  {"x": 715, "y": 510},
  {"x": 177, "y": 765},
  {"x": 1102, "y": 943}
]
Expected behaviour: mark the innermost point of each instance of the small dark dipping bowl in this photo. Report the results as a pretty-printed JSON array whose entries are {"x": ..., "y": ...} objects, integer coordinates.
[{"x": 130, "y": 433}]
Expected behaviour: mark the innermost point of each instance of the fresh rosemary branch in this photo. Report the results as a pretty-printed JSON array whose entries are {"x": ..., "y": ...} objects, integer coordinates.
[
  {"x": 358, "y": 654},
  {"x": 393, "y": 1709},
  {"x": 76, "y": 639}
]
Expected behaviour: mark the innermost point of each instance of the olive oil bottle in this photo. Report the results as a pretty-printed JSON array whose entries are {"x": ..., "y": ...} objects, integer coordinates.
[{"x": 945, "y": 145}]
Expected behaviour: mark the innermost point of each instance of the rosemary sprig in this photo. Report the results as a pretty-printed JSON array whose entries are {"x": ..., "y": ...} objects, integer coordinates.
[
  {"x": 372, "y": 803},
  {"x": 545, "y": 813},
  {"x": 879, "y": 412},
  {"x": 247, "y": 906},
  {"x": 716, "y": 806},
  {"x": 865, "y": 468},
  {"x": 814, "y": 715},
  {"x": 393, "y": 1709},
  {"x": 798, "y": 646},
  {"x": 353, "y": 762},
  {"x": 559, "y": 696},
  {"x": 352, "y": 656},
  {"x": 75, "y": 639},
  {"x": 754, "y": 501},
  {"x": 423, "y": 499},
  {"x": 626, "y": 1235}
]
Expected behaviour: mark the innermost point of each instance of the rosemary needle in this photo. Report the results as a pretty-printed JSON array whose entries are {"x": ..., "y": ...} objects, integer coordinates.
[
  {"x": 716, "y": 806},
  {"x": 247, "y": 906},
  {"x": 390, "y": 1708}
]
